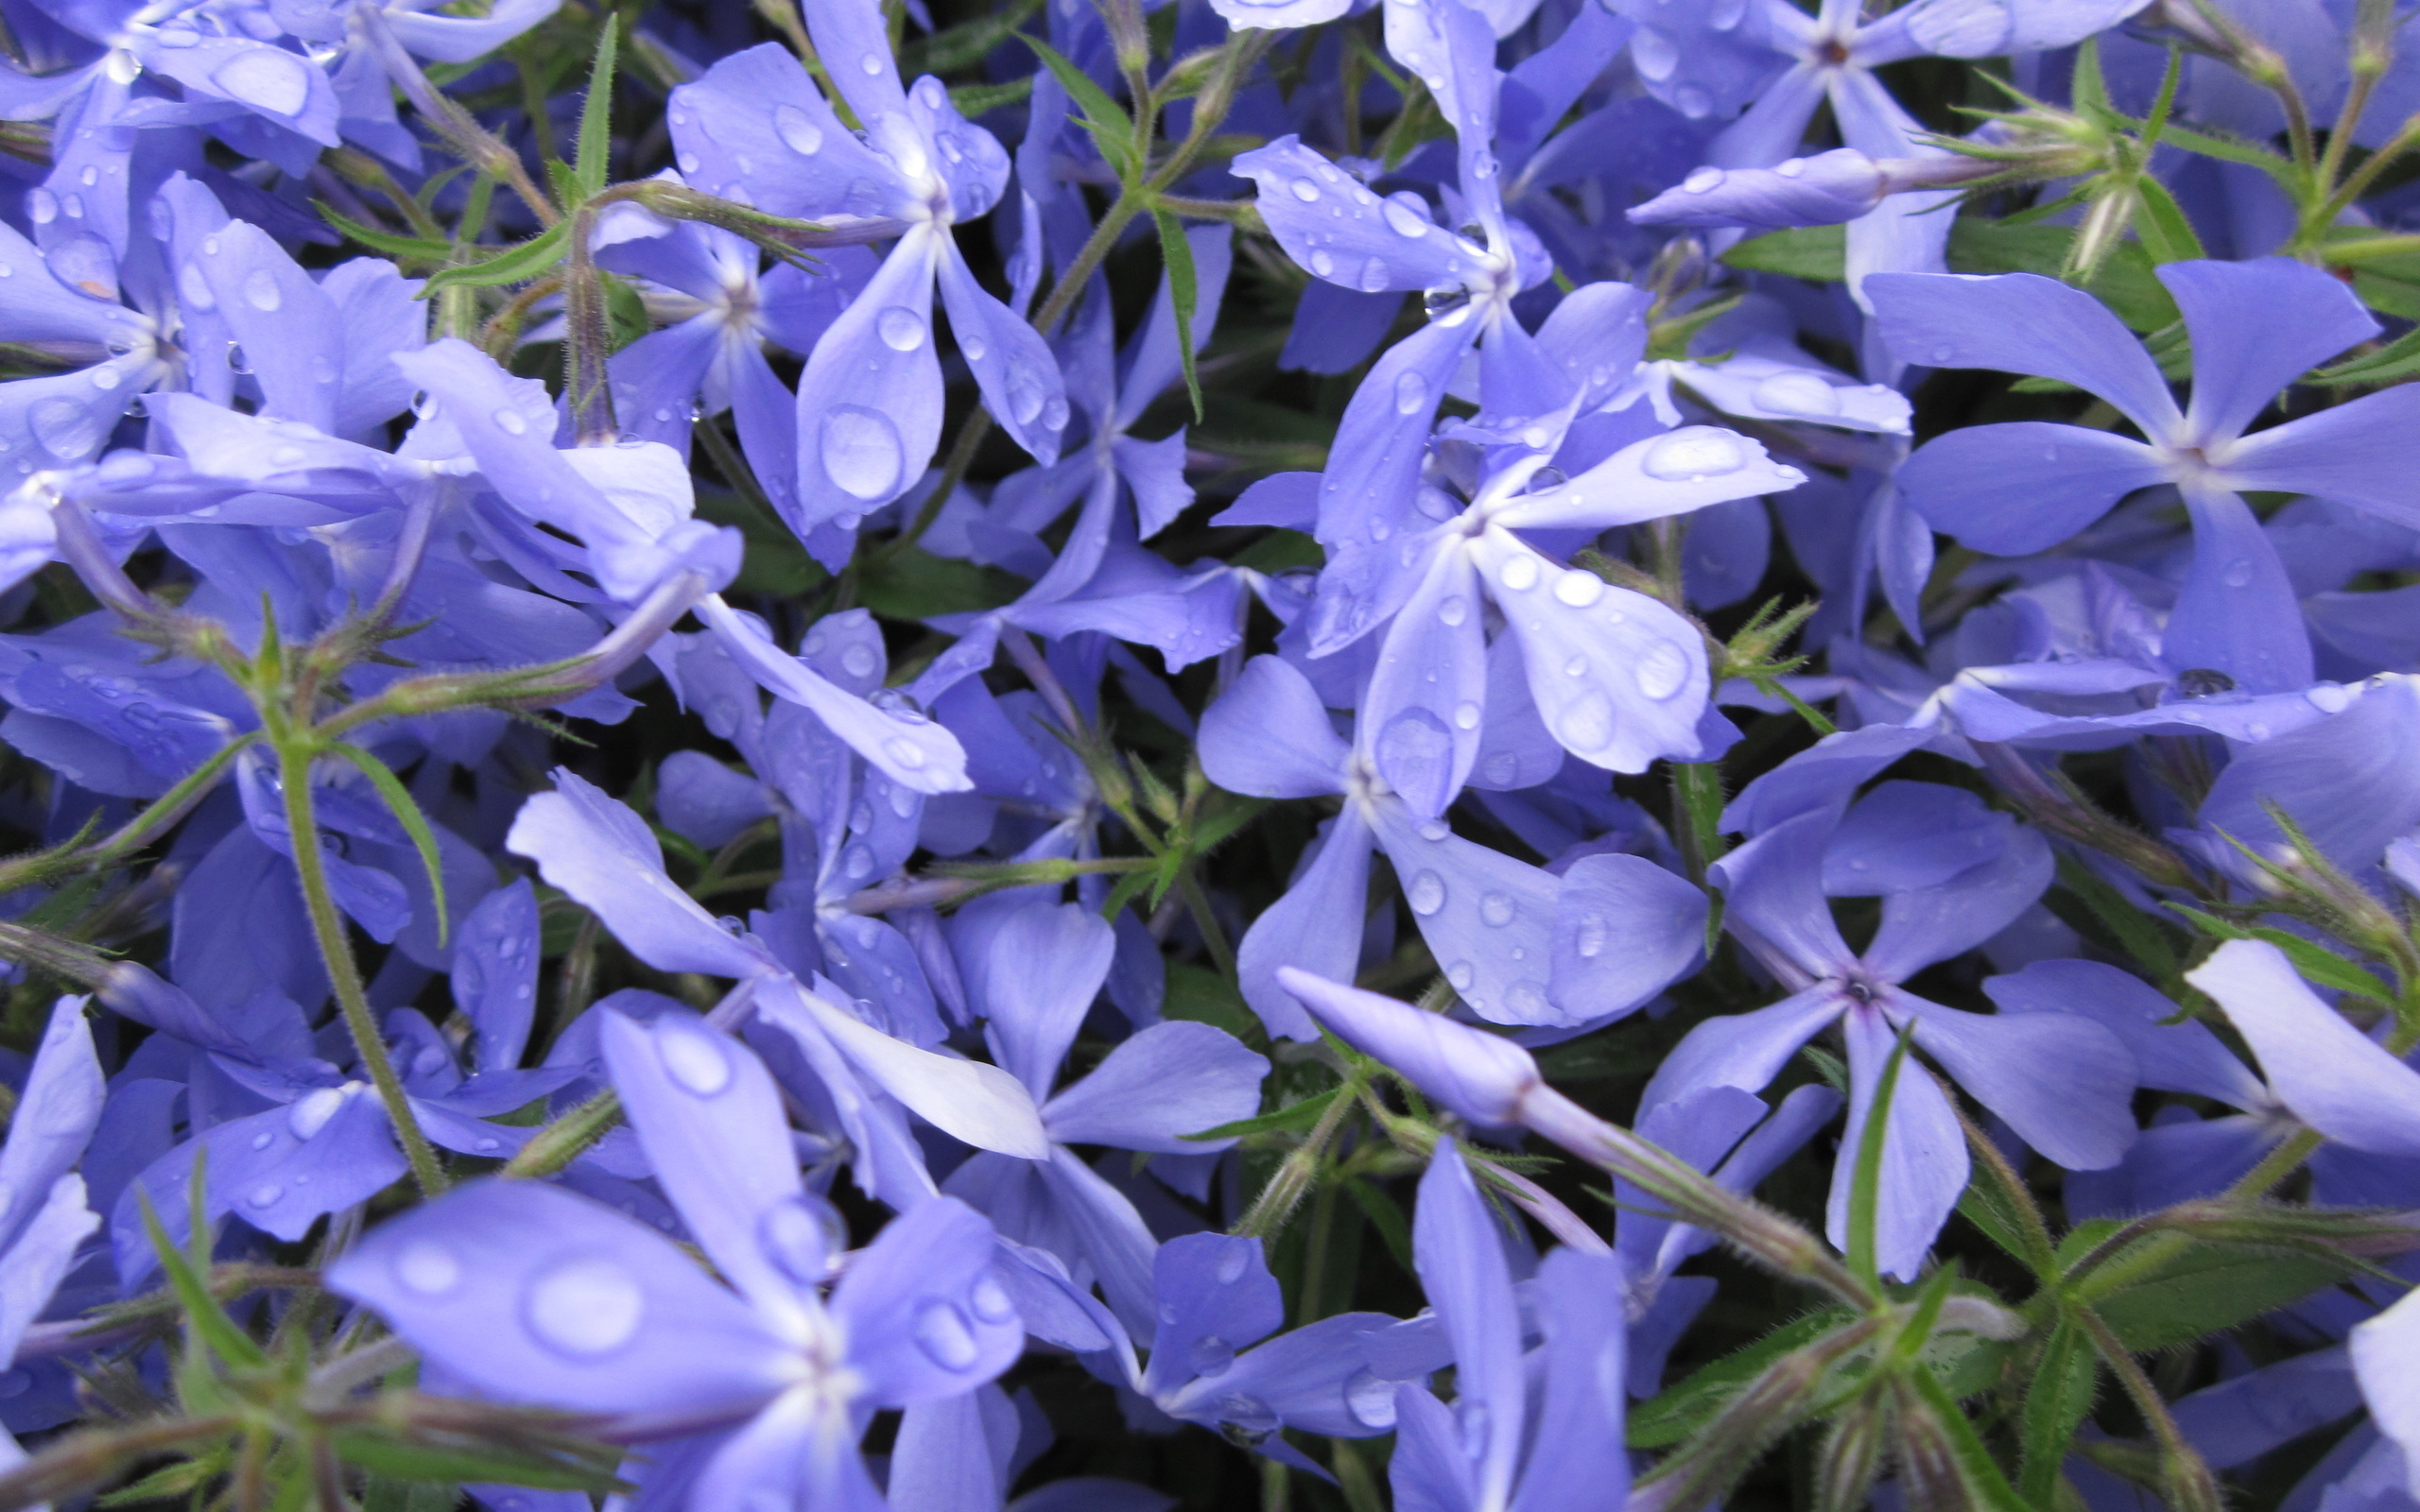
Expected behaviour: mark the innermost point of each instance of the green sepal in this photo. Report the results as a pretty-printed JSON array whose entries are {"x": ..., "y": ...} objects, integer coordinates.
[
  {"x": 407, "y": 811},
  {"x": 530, "y": 260}
]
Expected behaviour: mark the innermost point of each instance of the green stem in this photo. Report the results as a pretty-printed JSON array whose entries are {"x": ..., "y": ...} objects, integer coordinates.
[
  {"x": 1286, "y": 1189},
  {"x": 2192, "y": 1487},
  {"x": 564, "y": 1139},
  {"x": 344, "y": 975}
]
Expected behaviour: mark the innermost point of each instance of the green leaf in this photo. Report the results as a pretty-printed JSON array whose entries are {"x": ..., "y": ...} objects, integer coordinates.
[
  {"x": 1385, "y": 1215},
  {"x": 2056, "y": 1404},
  {"x": 1184, "y": 291},
  {"x": 2316, "y": 962},
  {"x": 379, "y": 241},
  {"x": 590, "y": 168},
  {"x": 206, "y": 1322},
  {"x": 2227, "y": 148},
  {"x": 2397, "y": 359},
  {"x": 172, "y": 1483},
  {"x": 1294, "y": 1115},
  {"x": 1674, "y": 1413},
  {"x": 965, "y": 45},
  {"x": 2136, "y": 933},
  {"x": 2166, "y": 235},
  {"x": 1865, "y": 1191},
  {"x": 1817, "y": 252},
  {"x": 1987, "y": 1487},
  {"x": 387, "y": 1494},
  {"x": 972, "y": 100},
  {"x": 2125, "y": 283},
  {"x": 532, "y": 259},
  {"x": 1200, "y": 994},
  {"x": 382, "y": 1456},
  {"x": 2210, "y": 1288},
  {"x": 1112, "y": 128},
  {"x": 917, "y": 585},
  {"x": 407, "y": 814}
]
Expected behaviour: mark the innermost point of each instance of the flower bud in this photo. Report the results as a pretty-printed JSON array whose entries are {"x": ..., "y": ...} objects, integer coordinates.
[
  {"x": 1823, "y": 190},
  {"x": 1483, "y": 1077}
]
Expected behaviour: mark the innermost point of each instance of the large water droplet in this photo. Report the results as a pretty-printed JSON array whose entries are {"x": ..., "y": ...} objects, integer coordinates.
[
  {"x": 942, "y": 1334},
  {"x": 1798, "y": 393},
  {"x": 798, "y": 1243},
  {"x": 904, "y": 753},
  {"x": 693, "y": 1060},
  {"x": 797, "y": 131},
  {"x": 1654, "y": 55},
  {"x": 265, "y": 1195},
  {"x": 1579, "y": 589},
  {"x": 1305, "y": 191},
  {"x": 1696, "y": 452},
  {"x": 311, "y": 1111},
  {"x": 2329, "y": 698},
  {"x": 1370, "y": 1400},
  {"x": 1661, "y": 670},
  {"x": 1519, "y": 573},
  {"x": 861, "y": 452},
  {"x": 2239, "y": 572},
  {"x": 586, "y": 1307},
  {"x": 1411, "y": 394},
  {"x": 1466, "y": 715},
  {"x": 65, "y": 428},
  {"x": 1210, "y": 1355},
  {"x": 426, "y": 1267},
  {"x": 1496, "y": 909},
  {"x": 1590, "y": 939},
  {"x": 1700, "y": 180},
  {"x": 42, "y": 206},
  {"x": 901, "y": 328},
  {"x": 266, "y": 80},
  {"x": 1426, "y": 893},
  {"x": 1405, "y": 221},
  {"x": 261, "y": 291},
  {"x": 510, "y": 422},
  {"x": 1587, "y": 723},
  {"x": 991, "y": 1301},
  {"x": 1453, "y": 608}
]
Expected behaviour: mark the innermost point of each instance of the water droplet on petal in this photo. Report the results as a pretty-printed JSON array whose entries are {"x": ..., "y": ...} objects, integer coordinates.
[
  {"x": 1587, "y": 724},
  {"x": 1798, "y": 393},
  {"x": 261, "y": 291},
  {"x": 1411, "y": 394},
  {"x": 426, "y": 1267},
  {"x": 1519, "y": 573},
  {"x": 1692, "y": 454},
  {"x": 1426, "y": 893},
  {"x": 1466, "y": 715},
  {"x": 1370, "y": 1400},
  {"x": 2239, "y": 572},
  {"x": 991, "y": 1301},
  {"x": 1590, "y": 940},
  {"x": 1453, "y": 609},
  {"x": 1662, "y": 670},
  {"x": 904, "y": 753},
  {"x": 2329, "y": 698},
  {"x": 1496, "y": 909},
  {"x": 1210, "y": 1355},
  {"x": 799, "y": 1243},
  {"x": 510, "y": 422},
  {"x": 861, "y": 452},
  {"x": 693, "y": 1060},
  {"x": 264, "y": 1196},
  {"x": 901, "y": 329},
  {"x": 586, "y": 1307},
  {"x": 797, "y": 131},
  {"x": 267, "y": 80},
  {"x": 942, "y": 1334},
  {"x": 1405, "y": 220},
  {"x": 1305, "y": 191},
  {"x": 1579, "y": 589}
]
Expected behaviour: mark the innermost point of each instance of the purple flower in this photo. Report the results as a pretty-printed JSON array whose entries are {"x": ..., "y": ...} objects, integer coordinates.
[
  {"x": 531, "y": 1294},
  {"x": 2025, "y": 486}
]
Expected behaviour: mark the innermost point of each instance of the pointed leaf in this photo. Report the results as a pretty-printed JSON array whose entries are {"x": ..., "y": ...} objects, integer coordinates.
[{"x": 407, "y": 814}]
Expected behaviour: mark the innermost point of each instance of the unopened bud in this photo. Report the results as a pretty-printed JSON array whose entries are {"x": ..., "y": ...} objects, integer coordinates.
[
  {"x": 1823, "y": 190},
  {"x": 1851, "y": 1458},
  {"x": 1481, "y": 1077}
]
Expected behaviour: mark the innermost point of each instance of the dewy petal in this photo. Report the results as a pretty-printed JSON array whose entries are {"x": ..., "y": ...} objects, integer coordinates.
[
  {"x": 709, "y": 1118},
  {"x": 2256, "y": 326},
  {"x": 1047, "y": 964},
  {"x": 1459, "y": 1251},
  {"x": 2239, "y": 613},
  {"x": 1424, "y": 704},
  {"x": 1110, "y": 1237},
  {"x": 1654, "y": 479},
  {"x": 1011, "y": 364},
  {"x": 922, "y": 1316},
  {"x": 1170, "y": 1080},
  {"x": 798, "y": 1455},
  {"x": 854, "y": 42},
  {"x": 292, "y": 337},
  {"x": 1374, "y": 464},
  {"x": 1316, "y": 926},
  {"x": 2328, "y": 1073},
  {"x": 2022, "y": 322},
  {"x": 1333, "y": 227},
  {"x": 2024, "y": 487},
  {"x": 1618, "y": 679},
  {"x": 496, "y": 973},
  {"x": 1923, "y": 1153},
  {"x": 2347, "y": 782},
  {"x": 1576, "y": 1459},
  {"x": 1831, "y": 187},
  {"x": 1217, "y": 1297},
  {"x": 1488, "y": 919},
  {"x": 917, "y": 753},
  {"x": 870, "y": 398},
  {"x": 1743, "y": 1050},
  {"x": 982, "y": 1105},
  {"x": 1998, "y": 28},
  {"x": 2061, "y": 1080},
  {"x": 2355, "y": 453},
  {"x": 1625, "y": 929},
  {"x": 597, "y": 849},
  {"x": 1269, "y": 736},
  {"x": 1935, "y": 923},
  {"x": 534, "y": 1295},
  {"x": 466, "y": 38},
  {"x": 55, "y": 1116}
]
